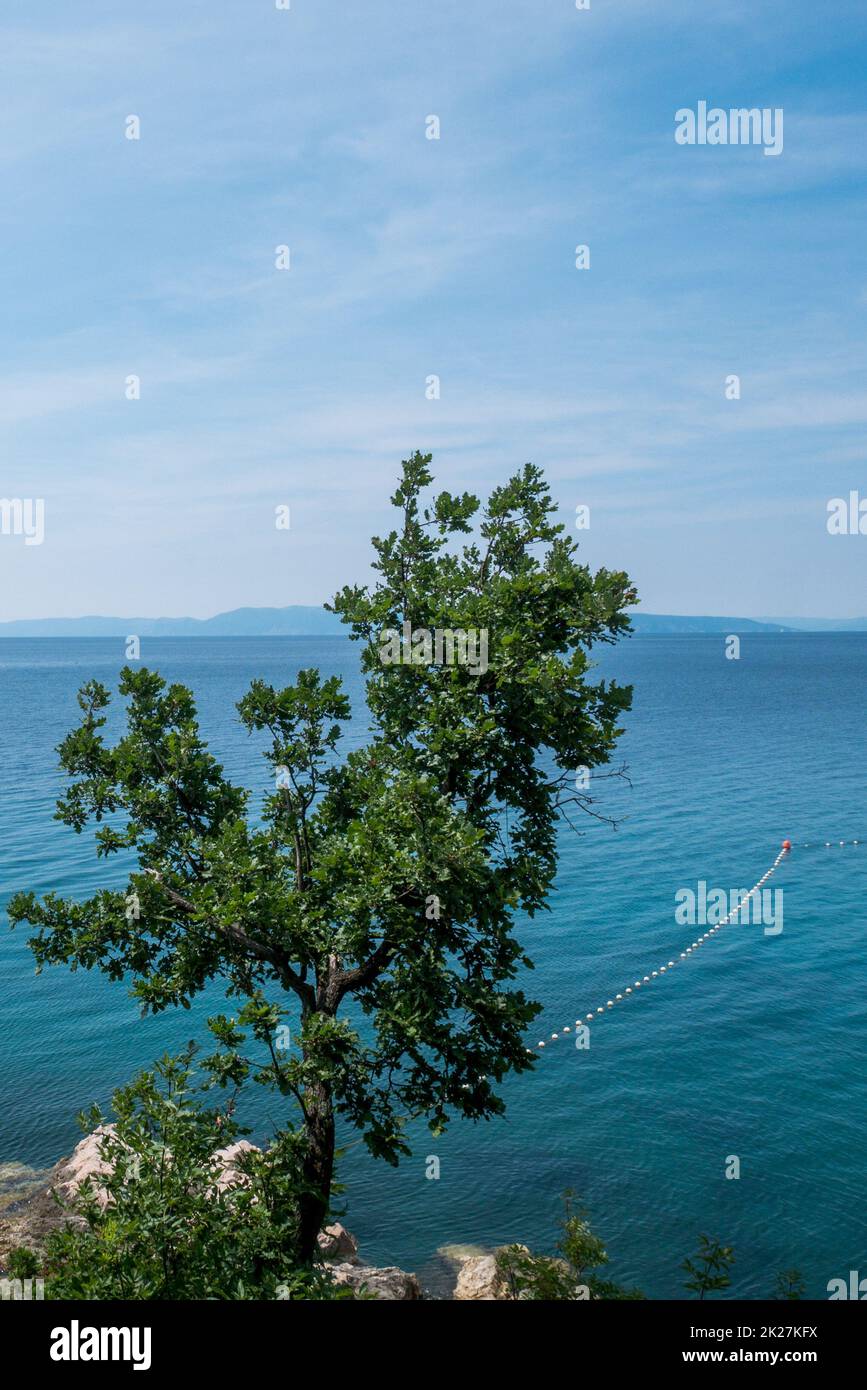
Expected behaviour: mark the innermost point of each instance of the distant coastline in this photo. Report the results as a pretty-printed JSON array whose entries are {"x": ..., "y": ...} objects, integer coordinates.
[{"x": 299, "y": 620}]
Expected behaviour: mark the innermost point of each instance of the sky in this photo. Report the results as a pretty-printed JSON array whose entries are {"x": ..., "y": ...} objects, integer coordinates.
[{"x": 412, "y": 257}]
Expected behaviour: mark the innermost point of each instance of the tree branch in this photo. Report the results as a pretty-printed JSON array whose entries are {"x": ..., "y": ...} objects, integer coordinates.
[
  {"x": 235, "y": 932},
  {"x": 347, "y": 981}
]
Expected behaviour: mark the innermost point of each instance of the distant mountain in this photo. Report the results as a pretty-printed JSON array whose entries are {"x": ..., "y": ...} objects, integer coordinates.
[
  {"x": 299, "y": 620},
  {"x": 822, "y": 624},
  {"x": 295, "y": 621},
  {"x": 660, "y": 623}
]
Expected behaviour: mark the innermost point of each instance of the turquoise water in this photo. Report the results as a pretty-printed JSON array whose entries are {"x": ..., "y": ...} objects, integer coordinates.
[{"x": 754, "y": 1047}]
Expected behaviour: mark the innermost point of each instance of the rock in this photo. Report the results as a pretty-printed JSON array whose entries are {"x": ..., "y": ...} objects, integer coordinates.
[
  {"x": 229, "y": 1174},
  {"x": 84, "y": 1162},
  {"x": 479, "y": 1279},
  {"x": 30, "y": 1218},
  {"x": 340, "y": 1251},
  {"x": 456, "y": 1254},
  {"x": 390, "y": 1284},
  {"x": 439, "y": 1275},
  {"x": 336, "y": 1244}
]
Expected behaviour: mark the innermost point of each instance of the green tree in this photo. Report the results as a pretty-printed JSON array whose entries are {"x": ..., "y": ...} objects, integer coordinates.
[
  {"x": 708, "y": 1270},
  {"x": 386, "y": 882}
]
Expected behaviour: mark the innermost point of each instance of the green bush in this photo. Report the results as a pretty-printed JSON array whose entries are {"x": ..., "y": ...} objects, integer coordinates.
[
  {"x": 569, "y": 1277},
  {"x": 167, "y": 1230}
]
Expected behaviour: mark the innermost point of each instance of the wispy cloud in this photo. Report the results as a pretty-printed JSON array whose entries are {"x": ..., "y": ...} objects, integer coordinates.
[{"x": 412, "y": 258}]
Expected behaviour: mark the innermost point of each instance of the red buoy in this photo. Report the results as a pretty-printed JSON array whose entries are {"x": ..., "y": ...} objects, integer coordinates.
[{"x": 787, "y": 844}]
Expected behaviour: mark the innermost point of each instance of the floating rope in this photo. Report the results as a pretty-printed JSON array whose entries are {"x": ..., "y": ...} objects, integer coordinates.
[{"x": 687, "y": 951}]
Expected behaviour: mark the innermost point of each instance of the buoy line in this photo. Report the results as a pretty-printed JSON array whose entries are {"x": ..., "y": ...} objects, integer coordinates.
[
  {"x": 682, "y": 955},
  {"x": 829, "y": 844}
]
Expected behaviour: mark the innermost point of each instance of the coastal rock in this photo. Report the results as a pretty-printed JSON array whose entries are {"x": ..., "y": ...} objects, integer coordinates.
[
  {"x": 456, "y": 1254},
  {"x": 229, "y": 1174},
  {"x": 389, "y": 1284},
  {"x": 84, "y": 1162},
  {"x": 336, "y": 1245},
  {"x": 479, "y": 1279},
  {"x": 29, "y": 1217},
  {"x": 339, "y": 1249}
]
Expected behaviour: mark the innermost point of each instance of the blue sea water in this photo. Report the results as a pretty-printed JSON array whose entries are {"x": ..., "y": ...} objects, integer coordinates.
[{"x": 753, "y": 1048}]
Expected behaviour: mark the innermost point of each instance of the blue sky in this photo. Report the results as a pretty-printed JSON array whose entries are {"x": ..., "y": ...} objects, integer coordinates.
[{"x": 411, "y": 257}]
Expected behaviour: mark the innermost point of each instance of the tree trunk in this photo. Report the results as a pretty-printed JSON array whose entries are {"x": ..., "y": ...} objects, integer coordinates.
[{"x": 317, "y": 1167}]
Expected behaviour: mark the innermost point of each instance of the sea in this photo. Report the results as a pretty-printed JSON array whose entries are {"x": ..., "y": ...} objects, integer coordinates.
[{"x": 727, "y": 1097}]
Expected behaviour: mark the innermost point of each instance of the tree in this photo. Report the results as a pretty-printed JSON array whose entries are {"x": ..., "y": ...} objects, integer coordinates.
[
  {"x": 387, "y": 881},
  {"x": 708, "y": 1271}
]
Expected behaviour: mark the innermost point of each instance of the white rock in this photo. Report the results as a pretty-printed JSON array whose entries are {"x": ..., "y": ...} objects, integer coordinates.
[
  {"x": 479, "y": 1280},
  {"x": 85, "y": 1161},
  {"x": 227, "y": 1160},
  {"x": 390, "y": 1284}
]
